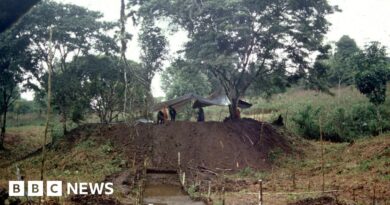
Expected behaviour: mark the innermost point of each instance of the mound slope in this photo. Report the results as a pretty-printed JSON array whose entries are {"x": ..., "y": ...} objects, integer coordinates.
[
  {"x": 216, "y": 145},
  {"x": 212, "y": 145},
  {"x": 231, "y": 145}
]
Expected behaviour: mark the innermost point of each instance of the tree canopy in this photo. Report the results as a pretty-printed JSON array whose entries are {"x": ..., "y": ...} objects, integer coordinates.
[
  {"x": 373, "y": 72},
  {"x": 16, "y": 64},
  {"x": 238, "y": 41},
  {"x": 341, "y": 70}
]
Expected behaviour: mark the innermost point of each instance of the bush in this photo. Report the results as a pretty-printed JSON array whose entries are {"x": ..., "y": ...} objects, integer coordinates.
[
  {"x": 341, "y": 124},
  {"x": 307, "y": 122}
]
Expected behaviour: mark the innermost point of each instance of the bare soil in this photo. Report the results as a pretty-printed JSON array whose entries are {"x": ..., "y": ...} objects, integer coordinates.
[
  {"x": 207, "y": 150},
  {"x": 325, "y": 200}
]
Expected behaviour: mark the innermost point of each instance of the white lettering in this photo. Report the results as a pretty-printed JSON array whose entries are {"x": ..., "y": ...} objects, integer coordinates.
[
  {"x": 83, "y": 188},
  {"x": 35, "y": 188},
  {"x": 16, "y": 188},
  {"x": 70, "y": 187},
  {"x": 109, "y": 188},
  {"x": 96, "y": 188},
  {"x": 54, "y": 188}
]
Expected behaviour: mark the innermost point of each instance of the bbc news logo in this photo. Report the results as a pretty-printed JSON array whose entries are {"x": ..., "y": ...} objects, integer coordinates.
[{"x": 55, "y": 188}]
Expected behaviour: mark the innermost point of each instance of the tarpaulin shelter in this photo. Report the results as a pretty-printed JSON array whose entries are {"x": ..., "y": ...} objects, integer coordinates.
[{"x": 217, "y": 98}]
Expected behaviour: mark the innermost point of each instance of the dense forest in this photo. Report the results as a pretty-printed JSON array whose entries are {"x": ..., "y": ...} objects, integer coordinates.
[
  {"x": 260, "y": 53},
  {"x": 92, "y": 113}
]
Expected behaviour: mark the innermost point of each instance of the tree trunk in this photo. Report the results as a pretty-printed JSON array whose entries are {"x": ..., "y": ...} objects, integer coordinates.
[
  {"x": 379, "y": 117},
  {"x": 123, "y": 52},
  {"x": 3, "y": 127},
  {"x": 233, "y": 109},
  {"x": 17, "y": 119},
  {"x": 339, "y": 91},
  {"x": 64, "y": 119},
  {"x": 50, "y": 69}
]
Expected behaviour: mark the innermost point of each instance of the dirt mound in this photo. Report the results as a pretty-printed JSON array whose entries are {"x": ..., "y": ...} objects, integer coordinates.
[
  {"x": 324, "y": 200},
  {"x": 216, "y": 145},
  {"x": 208, "y": 146}
]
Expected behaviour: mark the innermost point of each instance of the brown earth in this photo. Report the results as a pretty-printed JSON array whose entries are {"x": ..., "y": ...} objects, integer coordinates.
[
  {"x": 324, "y": 200},
  {"x": 211, "y": 146},
  {"x": 215, "y": 145},
  {"x": 207, "y": 149}
]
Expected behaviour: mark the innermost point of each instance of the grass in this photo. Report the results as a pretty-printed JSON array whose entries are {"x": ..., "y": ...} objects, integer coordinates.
[
  {"x": 346, "y": 116},
  {"x": 21, "y": 141},
  {"x": 347, "y": 166},
  {"x": 362, "y": 163},
  {"x": 88, "y": 161}
]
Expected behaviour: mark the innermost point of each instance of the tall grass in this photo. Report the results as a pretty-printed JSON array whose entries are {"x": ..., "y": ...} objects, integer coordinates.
[{"x": 345, "y": 116}]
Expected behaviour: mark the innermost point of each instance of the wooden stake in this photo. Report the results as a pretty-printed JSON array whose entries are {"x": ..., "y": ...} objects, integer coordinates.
[
  {"x": 374, "y": 196},
  {"x": 223, "y": 195},
  {"x": 322, "y": 155},
  {"x": 184, "y": 179},
  {"x": 178, "y": 159},
  {"x": 273, "y": 179},
  {"x": 260, "y": 192},
  {"x": 261, "y": 133},
  {"x": 293, "y": 180},
  {"x": 209, "y": 190}
]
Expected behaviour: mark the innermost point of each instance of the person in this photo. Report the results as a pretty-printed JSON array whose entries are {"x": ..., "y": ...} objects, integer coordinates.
[
  {"x": 172, "y": 113},
  {"x": 200, "y": 115},
  {"x": 238, "y": 113},
  {"x": 165, "y": 112},
  {"x": 279, "y": 121},
  {"x": 160, "y": 117}
]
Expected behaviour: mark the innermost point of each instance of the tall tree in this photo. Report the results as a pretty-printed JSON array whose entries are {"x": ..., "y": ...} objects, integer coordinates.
[
  {"x": 373, "y": 72},
  {"x": 153, "y": 49},
  {"x": 123, "y": 40},
  {"x": 342, "y": 71},
  {"x": 318, "y": 76},
  {"x": 76, "y": 31},
  {"x": 15, "y": 63},
  {"x": 181, "y": 78},
  {"x": 153, "y": 52},
  {"x": 238, "y": 41},
  {"x": 103, "y": 78}
]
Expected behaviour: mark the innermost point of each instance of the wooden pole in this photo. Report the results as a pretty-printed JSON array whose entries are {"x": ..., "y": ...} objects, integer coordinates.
[
  {"x": 374, "y": 196},
  {"x": 293, "y": 180},
  {"x": 179, "y": 163},
  {"x": 178, "y": 159},
  {"x": 322, "y": 155},
  {"x": 209, "y": 190},
  {"x": 273, "y": 179},
  {"x": 260, "y": 192},
  {"x": 223, "y": 195},
  {"x": 184, "y": 179},
  {"x": 261, "y": 133}
]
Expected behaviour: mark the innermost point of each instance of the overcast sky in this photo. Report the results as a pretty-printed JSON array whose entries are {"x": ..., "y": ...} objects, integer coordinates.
[{"x": 363, "y": 20}]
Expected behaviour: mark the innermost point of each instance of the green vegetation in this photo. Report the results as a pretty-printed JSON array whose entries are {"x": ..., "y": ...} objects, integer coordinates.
[
  {"x": 90, "y": 160},
  {"x": 344, "y": 117},
  {"x": 242, "y": 42},
  {"x": 270, "y": 52}
]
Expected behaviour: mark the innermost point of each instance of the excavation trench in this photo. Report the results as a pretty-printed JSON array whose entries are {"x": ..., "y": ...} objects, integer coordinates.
[{"x": 164, "y": 188}]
